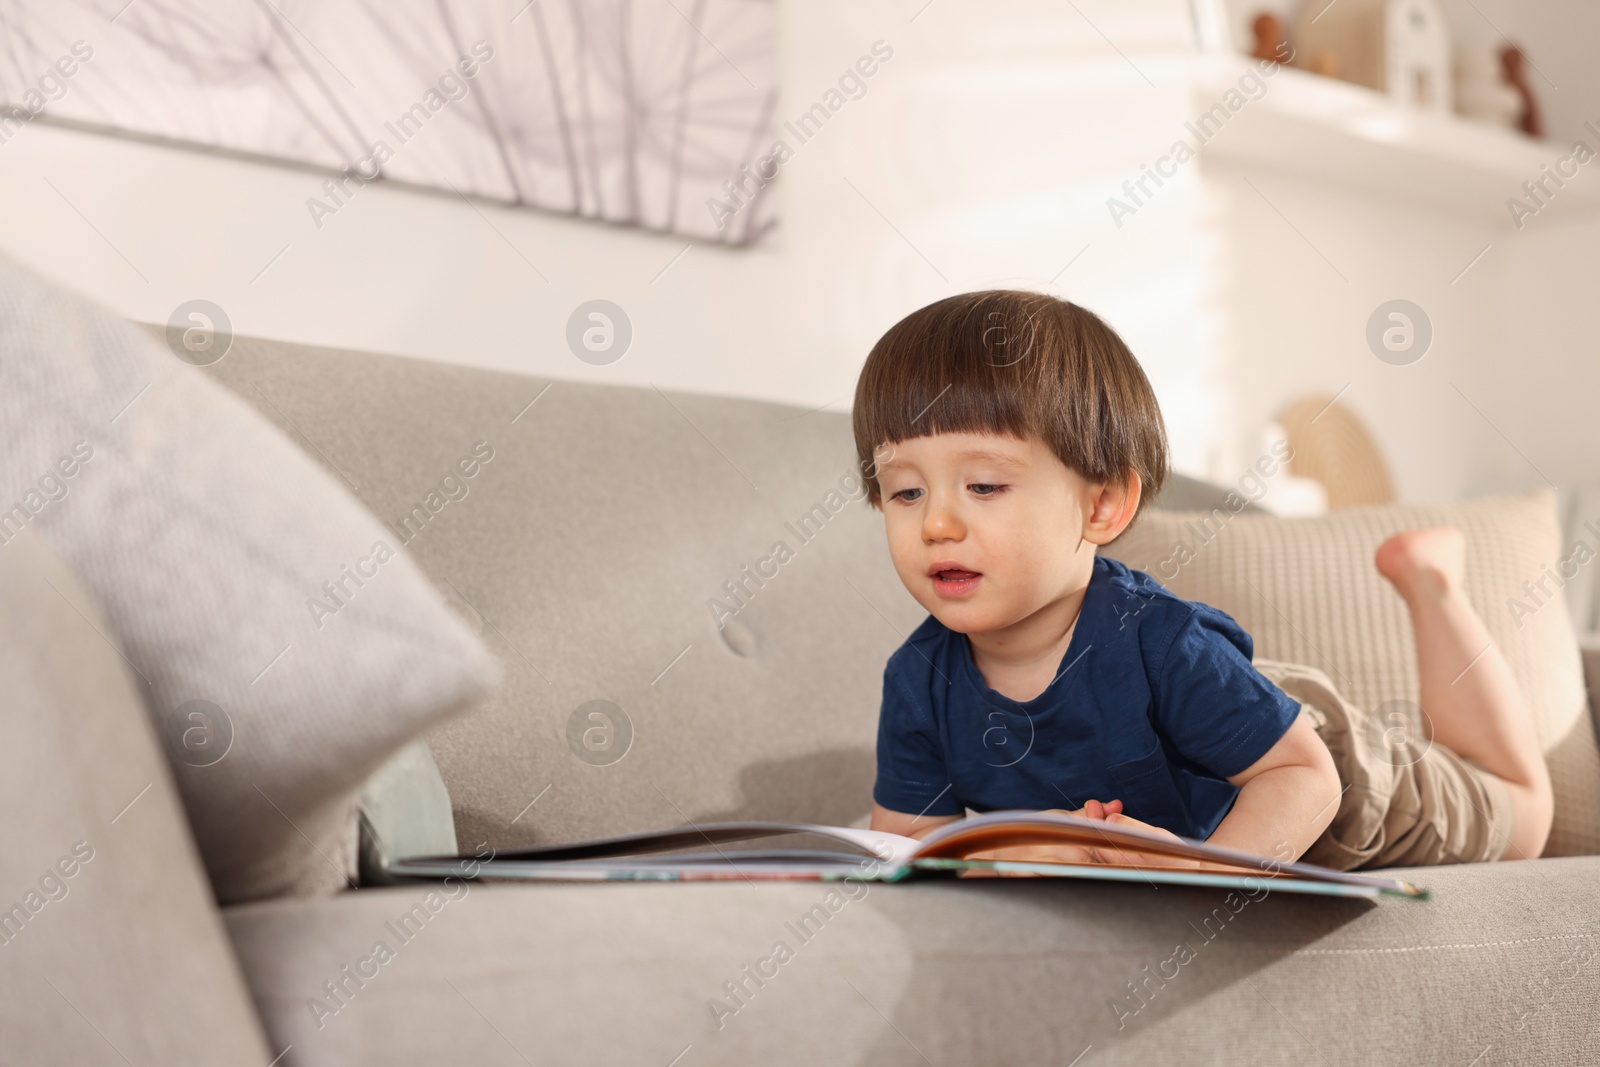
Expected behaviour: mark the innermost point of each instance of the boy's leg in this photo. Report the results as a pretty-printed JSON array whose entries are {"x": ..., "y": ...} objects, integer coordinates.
[{"x": 1468, "y": 691}]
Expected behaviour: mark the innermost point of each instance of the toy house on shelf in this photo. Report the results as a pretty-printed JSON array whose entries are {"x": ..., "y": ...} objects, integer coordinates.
[{"x": 1399, "y": 47}]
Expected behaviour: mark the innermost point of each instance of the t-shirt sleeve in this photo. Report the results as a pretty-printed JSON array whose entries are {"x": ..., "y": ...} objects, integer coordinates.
[
  {"x": 912, "y": 774},
  {"x": 1212, "y": 704}
]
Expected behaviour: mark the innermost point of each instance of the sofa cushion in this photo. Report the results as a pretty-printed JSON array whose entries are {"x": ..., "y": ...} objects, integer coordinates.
[
  {"x": 1307, "y": 591},
  {"x": 1013, "y": 972},
  {"x": 284, "y": 644},
  {"x": 589, "y": 546},
  {"x": 101, "y": 890}
]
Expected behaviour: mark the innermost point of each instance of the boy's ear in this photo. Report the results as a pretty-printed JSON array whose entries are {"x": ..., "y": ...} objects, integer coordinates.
[{"x": 1112, "y": 508}]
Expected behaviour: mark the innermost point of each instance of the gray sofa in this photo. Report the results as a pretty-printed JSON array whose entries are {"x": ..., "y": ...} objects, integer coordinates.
[{"x": 590, "y": 554}]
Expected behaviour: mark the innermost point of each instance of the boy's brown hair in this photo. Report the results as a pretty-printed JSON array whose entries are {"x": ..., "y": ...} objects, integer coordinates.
[{"x": 1006, "y": 361}]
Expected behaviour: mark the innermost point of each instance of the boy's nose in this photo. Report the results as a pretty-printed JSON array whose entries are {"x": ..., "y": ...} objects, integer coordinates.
[{"x": 941, "y": 523}]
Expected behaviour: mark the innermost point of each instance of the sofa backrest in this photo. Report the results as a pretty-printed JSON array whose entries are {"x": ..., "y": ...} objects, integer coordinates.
[{"x": 692, "y": 602}]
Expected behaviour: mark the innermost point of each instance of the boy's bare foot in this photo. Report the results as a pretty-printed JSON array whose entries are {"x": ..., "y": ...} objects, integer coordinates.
[{"x": 1429, "y": 562}]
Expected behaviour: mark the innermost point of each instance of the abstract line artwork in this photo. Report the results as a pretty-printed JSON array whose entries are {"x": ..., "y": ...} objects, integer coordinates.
[{"x": 630, "y": 111}]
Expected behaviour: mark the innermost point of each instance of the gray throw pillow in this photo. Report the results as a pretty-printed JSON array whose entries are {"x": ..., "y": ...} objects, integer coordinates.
[{"x": 283, "y": 643}]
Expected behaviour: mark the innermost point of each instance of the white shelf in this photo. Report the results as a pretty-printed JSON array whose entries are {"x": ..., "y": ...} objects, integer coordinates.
[{"x": 1350, "y": 135}]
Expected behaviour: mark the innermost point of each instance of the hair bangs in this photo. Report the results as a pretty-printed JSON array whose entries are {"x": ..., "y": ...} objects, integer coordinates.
[{"x": 1011, "y": 362}]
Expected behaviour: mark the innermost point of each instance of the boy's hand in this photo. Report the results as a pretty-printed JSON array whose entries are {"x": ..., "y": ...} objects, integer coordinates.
[
  {"x": 1093, "y": 809},
  {"x": 1147, "y": 859},
  {"x": 1096, "y": 810},
  {"x": 1142, "y": 859},
  {"x": 1110, "y": 811}
]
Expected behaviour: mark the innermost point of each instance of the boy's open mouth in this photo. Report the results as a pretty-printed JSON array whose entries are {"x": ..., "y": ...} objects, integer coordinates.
[{"x": 951, "y": 580}]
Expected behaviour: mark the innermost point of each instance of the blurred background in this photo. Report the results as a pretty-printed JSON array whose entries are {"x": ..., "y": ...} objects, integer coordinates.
[
  {"x": 1380, "y": 248},
  {"x": 1359, "y": 230}
]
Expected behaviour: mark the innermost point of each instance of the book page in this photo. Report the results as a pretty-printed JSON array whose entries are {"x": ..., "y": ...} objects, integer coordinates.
[{"x": 1001, "y": 829}]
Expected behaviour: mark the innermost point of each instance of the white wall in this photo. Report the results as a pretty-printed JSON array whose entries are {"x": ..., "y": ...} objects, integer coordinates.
[
  {"x": 1505, "y": 399},
  {"x": 1300, "y": 322},
  {"x": 982, "y": 155}
]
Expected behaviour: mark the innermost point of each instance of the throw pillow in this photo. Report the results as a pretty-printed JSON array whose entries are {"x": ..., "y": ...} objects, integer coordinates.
[{"x": 284, "y": 645}]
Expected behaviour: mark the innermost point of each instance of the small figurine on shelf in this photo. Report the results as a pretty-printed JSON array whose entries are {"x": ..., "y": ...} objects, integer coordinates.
[
  {"x": 1400, "y": 47},
  {"x": 1511, "y": 61},
  {"x": 1271, "y": 45},
  {"x": 1481, "y": 89}
]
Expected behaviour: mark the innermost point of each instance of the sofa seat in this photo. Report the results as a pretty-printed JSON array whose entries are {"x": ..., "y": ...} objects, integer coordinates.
[{"x": 1501, "y": 966}]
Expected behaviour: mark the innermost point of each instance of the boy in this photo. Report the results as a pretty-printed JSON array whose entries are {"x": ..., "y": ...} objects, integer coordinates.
[{"x": 1016, "y": 434}]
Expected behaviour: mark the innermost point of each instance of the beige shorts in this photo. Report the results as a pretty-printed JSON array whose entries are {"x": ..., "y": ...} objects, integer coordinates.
[{"x": 1406, "y": 802}]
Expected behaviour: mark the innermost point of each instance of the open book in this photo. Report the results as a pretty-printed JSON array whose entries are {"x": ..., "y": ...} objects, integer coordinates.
[{"x": 696, "y": 853}]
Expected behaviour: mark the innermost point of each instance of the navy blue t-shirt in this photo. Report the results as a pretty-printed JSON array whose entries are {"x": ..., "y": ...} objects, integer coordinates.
[{"x": 1155, "y": 703}]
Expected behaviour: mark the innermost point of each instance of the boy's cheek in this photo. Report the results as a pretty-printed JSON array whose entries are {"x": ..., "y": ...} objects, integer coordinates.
[
  {"x": 907, "y": 565},
  {"x": 904, "y": 539}
]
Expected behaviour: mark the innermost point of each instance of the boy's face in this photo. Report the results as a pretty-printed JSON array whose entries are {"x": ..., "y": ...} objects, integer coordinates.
[{"x": 986, "y": 530}]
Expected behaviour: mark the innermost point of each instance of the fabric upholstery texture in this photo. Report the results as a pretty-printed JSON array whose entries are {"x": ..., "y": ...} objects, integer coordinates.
[
  {"x": 1308, "y": 592},
  {"x": 1016, "y": 972},
  {"x": 206, "y": 536},
  {"x": 589, "y": 551},
  {"x": 585, "y": 551},
  {"x": 1579, "y": 507},
  {"x": 102, "y": 894},
  {"x": 1589, "y": 649},
  {"x": 773, "y": 716}
]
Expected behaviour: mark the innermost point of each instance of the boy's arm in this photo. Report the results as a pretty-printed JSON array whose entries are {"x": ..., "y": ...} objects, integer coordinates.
[{"x": 1286, "y": 798}]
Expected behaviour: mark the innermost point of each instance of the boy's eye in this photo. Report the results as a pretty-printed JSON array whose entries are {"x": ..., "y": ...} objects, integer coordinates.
[
  {"x": 907, "y": 495},
  {"x": 985, "y": 489}
]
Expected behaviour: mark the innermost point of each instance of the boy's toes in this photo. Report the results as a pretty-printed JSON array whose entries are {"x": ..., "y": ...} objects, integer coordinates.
[{"x": 1428, "y": 560}]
